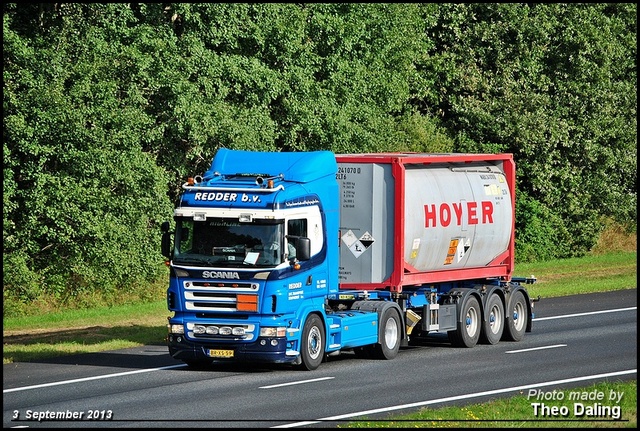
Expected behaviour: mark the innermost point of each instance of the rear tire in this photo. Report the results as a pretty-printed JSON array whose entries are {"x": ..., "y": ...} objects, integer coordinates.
[
  {"x": 516, "y": 321},
  {"x": 312, "y": 343},
  {"x": 493, "y": 324},
  {"x": 469, "y": 327}
]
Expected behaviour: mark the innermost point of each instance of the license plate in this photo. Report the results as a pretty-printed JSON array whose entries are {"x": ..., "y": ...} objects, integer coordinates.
[{"x": 218, "y": 353}]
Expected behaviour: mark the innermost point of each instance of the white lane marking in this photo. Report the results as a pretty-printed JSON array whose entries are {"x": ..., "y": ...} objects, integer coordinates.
[
  {"x": 456, "y": 398},
  {"x": 537, "y": 348},
  {"x": 296, "y": 383},
  {"x": 535, "y": 319},
  {"x": 86, "y": 379}
]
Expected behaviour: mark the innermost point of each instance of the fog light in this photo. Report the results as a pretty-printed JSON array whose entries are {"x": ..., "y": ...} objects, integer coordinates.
[
  {"x": 274, "y": 342},
  {"x": 263, "y": 342}
]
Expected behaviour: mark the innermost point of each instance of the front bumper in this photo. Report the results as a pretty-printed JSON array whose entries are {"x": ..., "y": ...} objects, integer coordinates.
[{"x": 260, "y": 351}]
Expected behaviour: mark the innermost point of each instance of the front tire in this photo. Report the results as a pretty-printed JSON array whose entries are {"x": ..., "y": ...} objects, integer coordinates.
[{"x": 312, "y": 343}]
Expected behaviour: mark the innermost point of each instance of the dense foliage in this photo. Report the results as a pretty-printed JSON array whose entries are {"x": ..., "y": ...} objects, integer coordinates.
[{"x": 108, "y": 107}]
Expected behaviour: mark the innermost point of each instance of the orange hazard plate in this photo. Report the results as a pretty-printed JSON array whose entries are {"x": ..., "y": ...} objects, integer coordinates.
[{"x": 217, "y": 353}]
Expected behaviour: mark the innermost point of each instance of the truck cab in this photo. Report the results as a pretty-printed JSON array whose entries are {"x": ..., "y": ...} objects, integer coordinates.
[{"x": 250, "y": 259}]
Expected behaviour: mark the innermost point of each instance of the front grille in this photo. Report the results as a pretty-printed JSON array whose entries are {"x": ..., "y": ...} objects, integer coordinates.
[{"x": 215, "y": 297}]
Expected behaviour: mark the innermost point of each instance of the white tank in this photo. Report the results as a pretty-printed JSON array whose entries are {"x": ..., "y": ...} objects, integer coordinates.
[{"x": 451, "y": 217}]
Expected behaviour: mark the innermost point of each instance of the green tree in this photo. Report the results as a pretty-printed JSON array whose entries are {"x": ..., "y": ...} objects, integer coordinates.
[
  {"x": 84, "y": 198},
  {"x": 555, "y": 85}
]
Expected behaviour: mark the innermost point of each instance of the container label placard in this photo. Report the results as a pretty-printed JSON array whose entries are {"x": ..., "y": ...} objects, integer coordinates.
[{"x": 356, "y": 245}]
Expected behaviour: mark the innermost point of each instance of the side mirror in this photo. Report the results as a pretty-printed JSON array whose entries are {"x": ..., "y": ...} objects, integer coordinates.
[
  {"x": 165, "y": 244},
  {"x": 303, "y": 249}
]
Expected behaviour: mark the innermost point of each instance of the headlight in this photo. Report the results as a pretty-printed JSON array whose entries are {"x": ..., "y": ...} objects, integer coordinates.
[{"x": 279, "y": 331}]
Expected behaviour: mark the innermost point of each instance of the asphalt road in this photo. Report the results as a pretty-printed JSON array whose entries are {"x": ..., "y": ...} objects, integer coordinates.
[{"x": 576, "y": 341}]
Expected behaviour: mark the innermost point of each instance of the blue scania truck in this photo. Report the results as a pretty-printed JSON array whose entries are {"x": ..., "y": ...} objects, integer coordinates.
[{"x": 291, "y": 257}]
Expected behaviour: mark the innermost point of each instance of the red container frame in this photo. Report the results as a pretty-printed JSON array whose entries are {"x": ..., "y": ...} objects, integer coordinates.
[{"x": 404, "y": 274}]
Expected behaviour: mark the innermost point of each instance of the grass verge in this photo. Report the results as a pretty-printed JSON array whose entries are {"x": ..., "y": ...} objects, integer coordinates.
[
  {"x": 83, "y": 331},
  {"x": 589, "y": 274}
]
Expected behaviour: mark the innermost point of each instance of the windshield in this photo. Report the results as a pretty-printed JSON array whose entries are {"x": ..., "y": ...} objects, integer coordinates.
[{"x": 227, "y": 242}]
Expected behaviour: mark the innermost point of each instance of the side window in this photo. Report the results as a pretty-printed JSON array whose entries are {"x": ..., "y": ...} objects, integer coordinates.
[
  {"x": 184, "y": 242},
  {"x": 297, "y": 227}
]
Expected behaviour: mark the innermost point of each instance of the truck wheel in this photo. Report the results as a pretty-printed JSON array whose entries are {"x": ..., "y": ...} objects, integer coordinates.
[
  {"x": 516, "y": 323},
  {"x": 493, "y": 325},
  {"x": 312, "y": 343},
  {"x": 468, "y": 331},
  {"x": 390, "y": 343}
]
